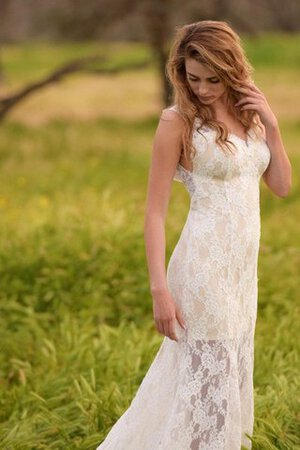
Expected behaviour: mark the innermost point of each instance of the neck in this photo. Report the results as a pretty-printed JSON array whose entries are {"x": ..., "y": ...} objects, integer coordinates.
[{"x": 219, "y": 108}]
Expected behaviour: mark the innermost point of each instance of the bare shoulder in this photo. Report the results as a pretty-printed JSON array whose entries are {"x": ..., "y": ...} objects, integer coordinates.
[
  {"x": 167, "y": 143},
  {"x": 171, "y": 114},
  {"x": 170, "y": 124}
]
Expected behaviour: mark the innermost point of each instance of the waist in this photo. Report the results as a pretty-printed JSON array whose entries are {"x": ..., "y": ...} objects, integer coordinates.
[{"x": 222, "y": 203}]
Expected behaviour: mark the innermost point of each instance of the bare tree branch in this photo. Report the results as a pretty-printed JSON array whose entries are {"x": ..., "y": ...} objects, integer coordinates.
[{"x": 81, "y": 64}]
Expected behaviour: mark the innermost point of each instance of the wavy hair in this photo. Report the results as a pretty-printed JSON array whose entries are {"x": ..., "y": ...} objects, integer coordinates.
[{"x": 215, "y": 44}]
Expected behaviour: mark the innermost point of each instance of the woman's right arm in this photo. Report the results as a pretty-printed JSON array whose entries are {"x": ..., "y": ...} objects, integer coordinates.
[{"x": 165, "y": 156}]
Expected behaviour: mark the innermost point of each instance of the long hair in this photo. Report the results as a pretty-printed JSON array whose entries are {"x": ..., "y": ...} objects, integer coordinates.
[{"x": 215, "y": 44}]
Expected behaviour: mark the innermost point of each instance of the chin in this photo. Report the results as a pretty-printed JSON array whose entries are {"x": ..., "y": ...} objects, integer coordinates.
[{"x": 211, "y": 100}]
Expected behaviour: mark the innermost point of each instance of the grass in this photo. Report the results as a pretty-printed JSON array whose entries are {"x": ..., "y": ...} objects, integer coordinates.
[{"x": 76, "y": 327}]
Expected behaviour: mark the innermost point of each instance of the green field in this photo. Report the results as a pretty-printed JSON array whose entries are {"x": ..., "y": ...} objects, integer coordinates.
[{"x": 76, "y": 327}]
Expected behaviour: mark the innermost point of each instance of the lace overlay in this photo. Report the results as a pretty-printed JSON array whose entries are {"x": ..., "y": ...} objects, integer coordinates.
[{"x": 198, "y": 393}]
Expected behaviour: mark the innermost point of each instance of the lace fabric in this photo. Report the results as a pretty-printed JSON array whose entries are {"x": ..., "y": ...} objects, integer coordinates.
[{"x": 198, "y": 392}]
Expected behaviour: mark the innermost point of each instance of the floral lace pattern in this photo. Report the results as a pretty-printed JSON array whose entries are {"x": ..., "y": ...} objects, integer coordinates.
[{"x": 198, "y": 392}]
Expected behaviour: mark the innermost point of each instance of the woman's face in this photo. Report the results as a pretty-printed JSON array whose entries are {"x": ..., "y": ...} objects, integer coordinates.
[{"x": 204, "y": 83}]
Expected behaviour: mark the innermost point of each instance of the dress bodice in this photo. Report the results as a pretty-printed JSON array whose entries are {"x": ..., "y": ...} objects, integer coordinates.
[
  {"x": 217, "y": 174},
  {"x": 210, "y": 162}
]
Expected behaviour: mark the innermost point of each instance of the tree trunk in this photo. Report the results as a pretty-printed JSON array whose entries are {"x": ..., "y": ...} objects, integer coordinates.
[{"x": 156, "y": 15}]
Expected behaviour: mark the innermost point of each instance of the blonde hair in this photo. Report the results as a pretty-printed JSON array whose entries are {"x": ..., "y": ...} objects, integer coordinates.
[{"x": 215, "y": 44}]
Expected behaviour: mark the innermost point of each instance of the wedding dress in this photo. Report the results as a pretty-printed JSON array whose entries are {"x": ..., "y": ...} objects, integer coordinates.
[{"x": 198, "y": 392}]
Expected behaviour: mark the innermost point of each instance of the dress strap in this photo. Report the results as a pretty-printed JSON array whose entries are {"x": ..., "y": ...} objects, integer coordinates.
[{"x": 174, "y": 108}]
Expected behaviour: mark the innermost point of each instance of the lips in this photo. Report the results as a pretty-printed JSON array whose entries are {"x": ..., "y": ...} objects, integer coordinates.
[{"x": 205, "y": 98}]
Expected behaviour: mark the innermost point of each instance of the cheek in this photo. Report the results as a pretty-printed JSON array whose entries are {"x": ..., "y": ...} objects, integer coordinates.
[
  {"x": 220, "y": 89},
  {"x": 190, "y": 85}
]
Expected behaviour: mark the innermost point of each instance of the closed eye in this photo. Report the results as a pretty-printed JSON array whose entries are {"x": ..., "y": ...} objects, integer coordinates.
[{"x": 211, "y": 80}]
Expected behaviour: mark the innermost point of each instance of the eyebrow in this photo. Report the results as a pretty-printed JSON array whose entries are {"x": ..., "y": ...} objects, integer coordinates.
[{"x": 208, "y": 78}]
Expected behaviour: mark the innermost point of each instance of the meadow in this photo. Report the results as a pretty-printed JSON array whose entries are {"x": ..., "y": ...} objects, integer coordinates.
[{"x": 76, "y": 327}]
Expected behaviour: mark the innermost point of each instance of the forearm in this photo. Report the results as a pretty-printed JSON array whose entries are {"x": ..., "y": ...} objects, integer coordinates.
[
  {"x": 278, "y": 175},
  {"x": 154, "y": 234}
]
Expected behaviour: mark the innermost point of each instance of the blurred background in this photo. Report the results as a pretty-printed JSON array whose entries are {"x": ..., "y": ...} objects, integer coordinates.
[{"x": 82, "y": 86}]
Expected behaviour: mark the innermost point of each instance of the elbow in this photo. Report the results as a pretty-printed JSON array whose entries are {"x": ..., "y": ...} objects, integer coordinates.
[
  {"x": 282, "y": 194},
  {"x": 284, "y": 190}
]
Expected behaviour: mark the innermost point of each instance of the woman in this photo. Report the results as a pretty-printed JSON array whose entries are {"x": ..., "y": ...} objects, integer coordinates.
[{"x": 219, "y": 139}]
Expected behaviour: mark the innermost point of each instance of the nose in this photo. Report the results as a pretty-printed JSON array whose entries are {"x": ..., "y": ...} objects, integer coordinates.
[{"x": 202, "y": 90}]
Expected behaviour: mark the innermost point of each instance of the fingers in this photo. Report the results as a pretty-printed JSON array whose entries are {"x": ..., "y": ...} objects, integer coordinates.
[
  {"x": 171, "y": 330},
  {"x": 249, "y": 84},
  {"x": 244, "y": 100},
  {"x": 255, "y": 102},
  {"x": 167, "y": 328},
  {"x": 249, "y": 96},
  {"x": 166, "y": 315},
  {"x": 160, "y": 326},
  {"x": 180, "y": 319},
  {"x": 250, "y": 106},
  {"x": 247, "y": 102},
  {"x": 250, "y": 90}
]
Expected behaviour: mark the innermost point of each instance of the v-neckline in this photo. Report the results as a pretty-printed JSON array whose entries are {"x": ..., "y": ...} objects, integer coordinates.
[{"x": 245, "y": 141}]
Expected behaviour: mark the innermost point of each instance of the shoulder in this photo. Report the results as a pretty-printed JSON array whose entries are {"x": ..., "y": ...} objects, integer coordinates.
[
  {"x": 171, "y": 124},
  {"x": 169, "y": 133},
  {"x": 172, "y": 113}
]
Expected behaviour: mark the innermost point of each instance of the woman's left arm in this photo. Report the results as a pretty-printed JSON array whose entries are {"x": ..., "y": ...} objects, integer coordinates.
[{"x": 278, "y": 175}]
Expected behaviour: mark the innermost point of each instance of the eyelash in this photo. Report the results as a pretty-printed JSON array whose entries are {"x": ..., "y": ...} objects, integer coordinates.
[{"x": 214, "y": 82}]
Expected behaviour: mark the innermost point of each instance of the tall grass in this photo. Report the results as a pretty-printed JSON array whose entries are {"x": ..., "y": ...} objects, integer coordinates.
[{"x": 76, "y": 327}]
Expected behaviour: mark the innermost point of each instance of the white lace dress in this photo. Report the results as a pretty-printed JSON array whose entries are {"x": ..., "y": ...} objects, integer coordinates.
[{"x": 198, "y": 393}]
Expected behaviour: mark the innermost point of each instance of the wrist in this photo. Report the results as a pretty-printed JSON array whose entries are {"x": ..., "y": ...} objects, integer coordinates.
[
  {"x": 272, "y": 125},
  {"x": 158, "y": 289}
]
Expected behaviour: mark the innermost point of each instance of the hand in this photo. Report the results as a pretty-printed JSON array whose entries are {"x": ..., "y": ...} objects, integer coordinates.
[
  {"x": 166, "y": 312},
  {"x": 254, "y": 99}
]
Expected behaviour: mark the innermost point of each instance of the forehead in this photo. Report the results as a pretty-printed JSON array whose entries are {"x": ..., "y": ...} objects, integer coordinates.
[{"x": 198, "y": 69}]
